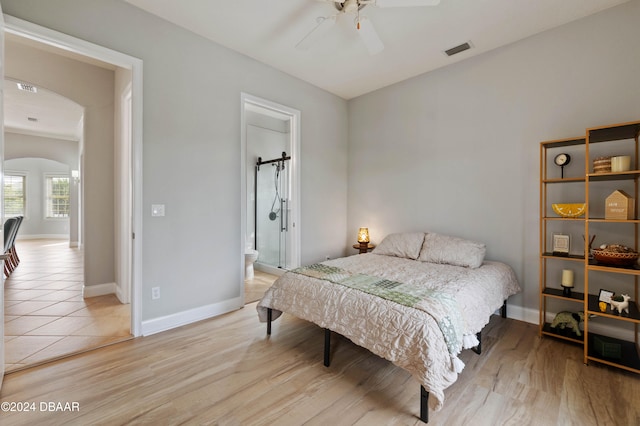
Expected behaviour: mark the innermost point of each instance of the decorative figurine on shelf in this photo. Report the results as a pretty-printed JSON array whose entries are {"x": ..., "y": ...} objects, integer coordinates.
[
  {"x": 567, "y": 282},
  {"x": 621, "y": 303},
  {"x": 569, "y": 319}
]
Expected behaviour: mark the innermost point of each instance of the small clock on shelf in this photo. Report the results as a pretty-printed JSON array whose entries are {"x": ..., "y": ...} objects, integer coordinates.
[{"x": 562, "y": 160}]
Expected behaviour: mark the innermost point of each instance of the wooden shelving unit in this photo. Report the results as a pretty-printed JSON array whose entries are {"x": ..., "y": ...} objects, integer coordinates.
[
  {"x": 629, "y": 359},
  {"x": 550, "y": 289},
  {"x": 596, "y": 275}
]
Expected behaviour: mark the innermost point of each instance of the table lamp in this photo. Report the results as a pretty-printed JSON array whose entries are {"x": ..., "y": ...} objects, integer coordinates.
[{"x": 363, "y": 238}]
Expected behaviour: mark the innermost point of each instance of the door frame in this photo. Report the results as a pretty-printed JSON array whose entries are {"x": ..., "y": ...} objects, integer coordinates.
[
  {"x": 75, "y": 45},
  {"x": 124, "y": 216},
  {"x": 294, "y": 115},
  {"x": 2, "y": 69}
]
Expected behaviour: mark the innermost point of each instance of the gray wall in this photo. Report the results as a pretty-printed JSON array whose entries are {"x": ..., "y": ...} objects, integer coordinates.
[
  {"x": 35, "y": 224},
  {"x": 19, "y": 146},
  {"x": 191, "y": 148},
  {"x": 453, "y": 151},
  {"x": 456, "y": 150},
  {"x": 93, "y": 88}
]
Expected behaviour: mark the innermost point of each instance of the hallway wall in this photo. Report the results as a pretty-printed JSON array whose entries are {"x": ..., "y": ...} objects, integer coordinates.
[{"x": 93, "y": 88}]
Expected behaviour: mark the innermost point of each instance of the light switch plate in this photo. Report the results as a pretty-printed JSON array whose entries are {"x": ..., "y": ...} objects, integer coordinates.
[{"x": 157, "y": 210}]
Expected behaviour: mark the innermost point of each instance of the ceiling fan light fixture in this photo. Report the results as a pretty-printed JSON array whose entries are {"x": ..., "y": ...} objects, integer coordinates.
[
  {"x": 370, "y": 37},
  {"x": 351, "y": 6},
  {"x": 365, "y": 28}
]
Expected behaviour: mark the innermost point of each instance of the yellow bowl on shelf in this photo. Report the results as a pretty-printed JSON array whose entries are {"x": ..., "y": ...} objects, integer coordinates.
[{"x": 569, "y": 209}]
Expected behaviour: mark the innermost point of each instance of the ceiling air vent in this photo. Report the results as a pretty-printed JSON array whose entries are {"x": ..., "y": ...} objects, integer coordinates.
[
  {"x": 27, "y": 87},
  {"x": 460, "y": 48}
]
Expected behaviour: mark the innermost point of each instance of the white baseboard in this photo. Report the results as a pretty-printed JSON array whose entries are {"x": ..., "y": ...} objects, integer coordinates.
[
  {"x": 269, "y": 269},
  {"x": 519, "y": 313},
  {"x": 120, "y": 295},
  {"x": 98, "y": 289},
  {"x": 42, "y": 237},
  {"x": 179, "y": 319}
]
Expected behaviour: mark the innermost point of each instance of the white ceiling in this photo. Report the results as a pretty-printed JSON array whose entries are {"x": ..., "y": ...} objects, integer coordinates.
[
  {"x": 57, "y": 116},
  {"x": 414, "y": 37}
]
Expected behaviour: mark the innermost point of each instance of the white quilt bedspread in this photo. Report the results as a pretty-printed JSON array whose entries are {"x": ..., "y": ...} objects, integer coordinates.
[{"x": 408, "y": 337}]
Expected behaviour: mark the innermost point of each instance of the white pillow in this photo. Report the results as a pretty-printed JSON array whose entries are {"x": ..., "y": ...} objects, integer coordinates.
[
  {"x": 451, "y": 250},
  {"x": 407, "y": 245}
]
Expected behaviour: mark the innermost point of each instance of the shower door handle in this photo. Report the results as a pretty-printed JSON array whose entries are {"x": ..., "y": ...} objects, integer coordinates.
[
  {"x": 281, "y": 215},
  {"x": 286, "y": 219},
  {"x": 284, "y": 215}
]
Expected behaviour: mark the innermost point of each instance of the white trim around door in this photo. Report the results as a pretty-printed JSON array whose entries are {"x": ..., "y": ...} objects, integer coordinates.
[{"x": 247, "y": 100}]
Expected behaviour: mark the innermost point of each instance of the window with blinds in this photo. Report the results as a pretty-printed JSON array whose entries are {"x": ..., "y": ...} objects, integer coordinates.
[
  {"x": 14, "y": 195},
  {"x": 57, "y": 197}
]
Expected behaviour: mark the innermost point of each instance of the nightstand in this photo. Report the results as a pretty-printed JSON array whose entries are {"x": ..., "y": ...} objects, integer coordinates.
[{"x": 364, "y": 250}]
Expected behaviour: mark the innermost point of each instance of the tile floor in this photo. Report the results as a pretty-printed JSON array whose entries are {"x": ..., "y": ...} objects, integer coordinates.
[{"x": 45, "y": 315}]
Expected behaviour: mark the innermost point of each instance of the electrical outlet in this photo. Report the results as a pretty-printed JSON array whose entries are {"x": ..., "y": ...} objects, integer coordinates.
[{"x": 155, "y": 293}]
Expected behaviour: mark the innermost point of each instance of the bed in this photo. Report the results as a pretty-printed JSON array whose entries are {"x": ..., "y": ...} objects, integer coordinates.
[{"x": 417, "y": 300}]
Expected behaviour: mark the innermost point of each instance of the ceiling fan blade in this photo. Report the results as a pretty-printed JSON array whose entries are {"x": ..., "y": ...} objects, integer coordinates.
[
  {"x": 317, "y": 33},
  {"x": 370, "y": 36},
  {"x": 406, "y": 3}
]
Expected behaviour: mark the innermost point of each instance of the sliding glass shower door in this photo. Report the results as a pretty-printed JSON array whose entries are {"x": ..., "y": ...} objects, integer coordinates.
[{"x": 272, "y": 211}]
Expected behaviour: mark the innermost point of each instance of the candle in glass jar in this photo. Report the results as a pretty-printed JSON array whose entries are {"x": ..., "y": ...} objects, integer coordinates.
[{"x": 567, "y": 278}]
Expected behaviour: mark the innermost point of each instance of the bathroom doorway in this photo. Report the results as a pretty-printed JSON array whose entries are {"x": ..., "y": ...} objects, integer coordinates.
[{"x": 270, "y": 199}]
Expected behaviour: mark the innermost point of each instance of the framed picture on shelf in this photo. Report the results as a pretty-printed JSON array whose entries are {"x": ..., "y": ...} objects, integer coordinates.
[
  {"x": 561, "y": 245},
  {"x": 605, "y": 296}
]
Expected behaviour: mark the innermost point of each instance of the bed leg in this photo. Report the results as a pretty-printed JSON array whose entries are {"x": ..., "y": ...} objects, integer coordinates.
[
  {"x": 478, "y": 349},
  {"x": 269, "y": 317},
  {"x": 327, "y": 347},
  {"x": 503, "y": 310},
  {"x": 424, "y": 404}
]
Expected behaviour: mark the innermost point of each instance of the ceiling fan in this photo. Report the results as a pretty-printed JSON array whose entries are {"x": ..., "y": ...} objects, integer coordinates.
[{"x": 363, "y": 25}]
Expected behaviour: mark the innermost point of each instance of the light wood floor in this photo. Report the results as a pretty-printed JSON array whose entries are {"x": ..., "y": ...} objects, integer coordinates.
[
  {"x": 254, "y": 288},
  {"x": 226, "y": 371},
  {"x": 46, "y": 316}
]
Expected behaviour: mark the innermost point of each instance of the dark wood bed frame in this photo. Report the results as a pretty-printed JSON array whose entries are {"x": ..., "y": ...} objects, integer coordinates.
[{"x": 424, "y": 395}]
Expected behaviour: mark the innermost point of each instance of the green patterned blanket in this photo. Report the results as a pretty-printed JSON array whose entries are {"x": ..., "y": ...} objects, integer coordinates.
[{"x": 441, "y": 306}]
